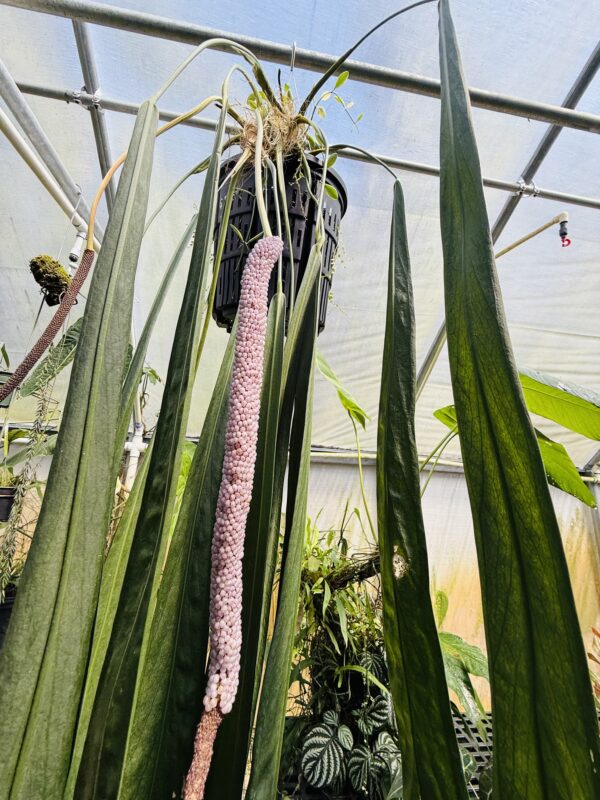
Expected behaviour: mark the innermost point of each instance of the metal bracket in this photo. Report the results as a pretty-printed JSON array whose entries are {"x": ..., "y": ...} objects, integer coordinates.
[
  {"x": 527, "y": 189},
  {"x": 83, "y": 98}
]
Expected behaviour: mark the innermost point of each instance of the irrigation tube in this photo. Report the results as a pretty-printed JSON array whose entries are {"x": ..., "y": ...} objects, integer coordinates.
[{"x": 189, "y": 33}]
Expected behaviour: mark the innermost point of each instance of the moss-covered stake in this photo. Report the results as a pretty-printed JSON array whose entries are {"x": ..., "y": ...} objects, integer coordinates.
[
  {"x": 51, "y": 276},
  {"x": 232, "y": 508}
]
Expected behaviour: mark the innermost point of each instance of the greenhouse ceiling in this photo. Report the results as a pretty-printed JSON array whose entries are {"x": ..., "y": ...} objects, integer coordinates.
[{"x": 526, "y": 60}]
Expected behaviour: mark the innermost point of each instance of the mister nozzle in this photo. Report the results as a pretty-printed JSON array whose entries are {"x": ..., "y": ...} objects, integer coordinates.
[
  {"x": 77, "y": 248},
  {"x": 562, "y": 232}
]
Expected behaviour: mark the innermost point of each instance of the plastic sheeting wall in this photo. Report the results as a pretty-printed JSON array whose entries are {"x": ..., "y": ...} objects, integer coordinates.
[
  {"x": 531, "y": 49},
  {"x": 451, "y": 542}
]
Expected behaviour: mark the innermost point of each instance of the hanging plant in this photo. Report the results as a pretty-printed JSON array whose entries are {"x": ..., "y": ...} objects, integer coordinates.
[{"x": 51, "y": 276}]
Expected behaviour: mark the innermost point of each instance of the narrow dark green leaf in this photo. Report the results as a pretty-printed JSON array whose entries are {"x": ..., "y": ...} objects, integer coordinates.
[
  {"x": 545, "y": 727},
  {"x": 431, "y": 763},
  {"x": 134, "y": 371},
  {"x": 570, "y": 405},
  {"x": 113, "y": 576},
  {"x": 44, "y": 658},
  {"x": 228, "y": 768},
  {"x": 168, "y": 699},
  {"x": 558, "y": 465},
  {"x": 268, "y": 737},
  {"x": 101, "y": 763}
]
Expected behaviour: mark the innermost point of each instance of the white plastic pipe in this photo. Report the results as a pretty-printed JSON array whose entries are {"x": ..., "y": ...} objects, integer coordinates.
[{"x": 41, "y": 172}]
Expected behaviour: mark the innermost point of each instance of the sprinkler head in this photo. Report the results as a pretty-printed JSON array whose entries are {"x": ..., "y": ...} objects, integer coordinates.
[
  {"x": 76, "y": 250},
  {"x": 562, "y": 232}
]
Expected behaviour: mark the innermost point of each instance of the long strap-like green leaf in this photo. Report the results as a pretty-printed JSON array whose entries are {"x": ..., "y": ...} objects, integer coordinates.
[
  {"x": 431, "y": 765},
  {"x": 135, "y": 369},
  {"x": 268, "y": 737},
  {"x": 168, "y": 700},
  {"x": 100, "y": 769},
  {"x": 113, "y": 576},
  {"x": 545, "y": 727},
  {"x": 228, "y": 767},
  {"x": 45, "y": 655}
]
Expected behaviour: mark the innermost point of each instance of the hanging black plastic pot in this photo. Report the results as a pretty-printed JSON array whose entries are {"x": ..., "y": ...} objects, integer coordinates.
[
  {"x": 4, "y": 376},
  {"x": 244, "y": 225},
  {"x": 7, "y": 498}
]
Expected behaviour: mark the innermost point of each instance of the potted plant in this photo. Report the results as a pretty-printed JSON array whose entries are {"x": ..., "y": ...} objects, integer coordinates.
[
  {"x": 4, "y": 375},
  {"x": 298, "y": 183},
  {"x": 7, "y": 598},
  {"x": 7, "y": 491}
]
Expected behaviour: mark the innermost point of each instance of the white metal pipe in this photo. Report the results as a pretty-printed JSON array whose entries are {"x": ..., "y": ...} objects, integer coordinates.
[
  {"x": 40, "y": 170},
  {"x": 190, "y": 33}
]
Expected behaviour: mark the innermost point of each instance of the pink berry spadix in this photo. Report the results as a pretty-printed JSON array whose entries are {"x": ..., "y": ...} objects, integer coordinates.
[{"x": 233, "y": 505}]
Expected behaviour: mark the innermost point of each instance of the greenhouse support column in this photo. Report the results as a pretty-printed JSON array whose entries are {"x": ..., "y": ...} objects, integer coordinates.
[
  {"x": 92, "y": 87},
  {"x": 33, "y": 130}
]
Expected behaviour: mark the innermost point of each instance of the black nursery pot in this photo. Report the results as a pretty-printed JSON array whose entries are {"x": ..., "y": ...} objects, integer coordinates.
[
  {"x": 7, "y": 498},
  {"x": 302, "y": 213},
  {"x": 4, "y": 376}
]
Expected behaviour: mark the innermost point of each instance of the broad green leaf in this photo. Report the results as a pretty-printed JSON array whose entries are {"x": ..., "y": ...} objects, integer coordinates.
[
  {"x": 102, "y": 758},
  {"x": 268, "y": 737},
  {"x": 560, "y": 469},
  {"x": 342, "y": 78},
  {"x": 346, "y": 399},
  {"x": 228, "y": 767},
  {"x": 331, "y": 191},
  {"x": 50, "y": 367},
  {"x": 570, "y": 405},
  {"x": 441, "y": 607},
  {"x": 545, "y": 726},
  {"x": 168, "y": 699},
  {"x": 461, "y": 660},
  {"x": 45, "y": 447},
  {"x": 44, "y": 658},
  {"x": 431, "y": 762},
  {"x": 322, "y": 756},
  {"x": 471, "y": 656}
]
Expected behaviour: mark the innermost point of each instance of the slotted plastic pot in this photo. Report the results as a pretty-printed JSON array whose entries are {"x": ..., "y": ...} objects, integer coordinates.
[
  {"x": 7, "y": 498},
  {"x": 4, "y": 376},
  {"x": 244, "y": 225}
]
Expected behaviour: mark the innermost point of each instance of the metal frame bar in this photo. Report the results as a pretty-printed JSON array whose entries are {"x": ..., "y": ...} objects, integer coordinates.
[
  {"x": 92, "y": 85},
  {"x": 9, "y": 91},
  {"x": 81, "y": 11},
  {"x": 581, "y": 83},
  {"x": 111, "y": 104},
  {"x": 189, "y": 33}
]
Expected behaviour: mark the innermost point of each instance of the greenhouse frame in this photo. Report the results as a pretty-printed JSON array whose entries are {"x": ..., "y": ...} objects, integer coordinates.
[{"x": 299, "y": 400}]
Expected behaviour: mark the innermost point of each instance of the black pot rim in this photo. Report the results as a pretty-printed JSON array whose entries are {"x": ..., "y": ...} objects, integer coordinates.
[
  {"x": 332, "y": 176},
  {"x": 7, "y": 491}
]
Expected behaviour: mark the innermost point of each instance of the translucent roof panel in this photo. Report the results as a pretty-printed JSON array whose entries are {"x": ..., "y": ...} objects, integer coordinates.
[{"x": 529, "y": 50}]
